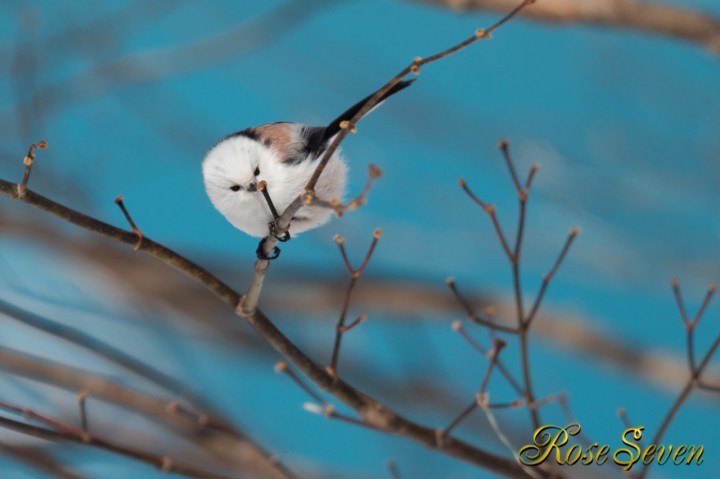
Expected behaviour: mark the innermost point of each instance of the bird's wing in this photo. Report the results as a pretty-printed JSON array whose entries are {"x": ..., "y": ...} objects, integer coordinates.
[
  {"x": 295, "y": 143},
  {"x": 334, "y": 128},
  {"x": 317, "y": 138}
]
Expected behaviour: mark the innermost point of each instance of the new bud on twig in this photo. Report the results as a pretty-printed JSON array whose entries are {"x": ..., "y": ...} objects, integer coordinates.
[
  {"x": 308, "y": 198},
  {"x": 338, "y": 239},
  {"x": 345, "y": 125},
  {"x": 377, "y": 234},
  {"x": 280, "y": 366},
  {"x": 415, "y": 67},
  {"x": 375, "y": 172},
  {"x": 575, "y": 231}
]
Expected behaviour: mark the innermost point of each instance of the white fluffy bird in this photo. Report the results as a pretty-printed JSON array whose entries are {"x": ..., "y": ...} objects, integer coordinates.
[{"x": 284, "y": 155}]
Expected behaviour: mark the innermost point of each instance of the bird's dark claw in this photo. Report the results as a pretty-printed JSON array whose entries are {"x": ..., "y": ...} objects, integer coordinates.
[
  {"x": 283, "y": 238},
  {"x": 260, "y": 251}
]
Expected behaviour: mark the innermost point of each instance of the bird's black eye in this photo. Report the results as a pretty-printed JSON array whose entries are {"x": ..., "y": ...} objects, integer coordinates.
[
  {"x": 235, "y": 187},
  {"x": 257, "y": 170}
]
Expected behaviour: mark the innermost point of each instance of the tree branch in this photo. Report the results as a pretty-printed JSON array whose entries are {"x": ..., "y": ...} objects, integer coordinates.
[
  {"x": 673, "y": 21},
  {"x": 368, "y": 408}
]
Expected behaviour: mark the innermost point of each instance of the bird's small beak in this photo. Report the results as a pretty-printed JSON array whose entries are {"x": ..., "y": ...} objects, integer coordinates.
[{"x": 252, "y": 187}]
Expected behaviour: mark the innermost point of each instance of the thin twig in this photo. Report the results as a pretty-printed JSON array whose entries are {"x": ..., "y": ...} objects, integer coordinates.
[
  {"x": 490, "y": 210},
  {"x": 481, "y": 396},
  {"x": 339, "y": 207},
  {"x": 506, "y": 441},
  {"x": 393, "y": 469},
  {"x": 355, "y": 274},
  {"x": 28, "y": 161},
  {"x": 163, "y": 463},
  {"x": 708, "y": 297},
  {"x": 96, "y": 388},
  {"x": 514, "y": 256},
  {"x": 262, "y": 187},
  {"x": 574, "y": 232},
  {"x": 695, "y": 378},
  {"x": 328, "y": 410},
  {"x": 282, "y": 367},
  {"x": 82, "y": 406},
  {"x": 503, "y": 145},
  {"x": 678, "y": 21},
  {"x": 627, "y": 424},
  {"x": 44, "y": 419},
  {"x": 223, "y": 442},
  {"x": 120, "y": 202},
  {"x": 472, "y": 316},
  {"x": 679, "y": 300},
  {"x": 457, "y": 326}
]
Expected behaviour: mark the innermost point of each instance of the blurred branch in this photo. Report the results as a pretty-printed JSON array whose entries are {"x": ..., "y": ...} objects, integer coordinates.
[
  {"x": 316, "y": 296},
  {"x": 695, "y": 375},
  {"x": 156, "y": 64},
  {"x": 372, "y": 411},
  {"x": 163, "y": 463},
  {"x": 523, "y": 320},
  {"x": 341, "y": 328},
  {"x": 214, "y": 437},
  {"x": 673, "y": 21},
  {"x": 35, "y": 458}
]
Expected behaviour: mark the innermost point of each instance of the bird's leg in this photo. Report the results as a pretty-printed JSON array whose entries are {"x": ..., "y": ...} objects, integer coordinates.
[{"x": 272, "y": 226}]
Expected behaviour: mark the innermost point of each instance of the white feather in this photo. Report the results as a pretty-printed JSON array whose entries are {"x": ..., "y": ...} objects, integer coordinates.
[{"x": 233, "y": 162}]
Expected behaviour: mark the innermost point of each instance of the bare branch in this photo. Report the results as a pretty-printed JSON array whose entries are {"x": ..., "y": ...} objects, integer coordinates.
[
  {"x": 340, "y": 208},
  {"x": 472, "y": 316},
  {"x": 490, "y": 210},
  {"x": 68, "y": 433},
  {"x": 481, "y": 396},
  {"x": 28, "y": 161},
  {"x": 119, "y": 201},
  {"x": 355, "y": 275},
  {"x": 262, "y": 187},
  {"x": 574, "y": 232},
  {"x": 674, "y": 21},
  {"x": 695, "y": 378},
  {"x": 457, "y": 326},
  {"x": 370, "y": 409}
]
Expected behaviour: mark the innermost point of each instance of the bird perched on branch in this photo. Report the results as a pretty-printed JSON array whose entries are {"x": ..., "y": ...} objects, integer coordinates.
[{"x": 282, "y": 158}]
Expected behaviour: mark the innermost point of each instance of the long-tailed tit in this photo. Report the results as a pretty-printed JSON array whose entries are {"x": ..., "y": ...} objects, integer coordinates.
[{"x": 284, "y": 155}]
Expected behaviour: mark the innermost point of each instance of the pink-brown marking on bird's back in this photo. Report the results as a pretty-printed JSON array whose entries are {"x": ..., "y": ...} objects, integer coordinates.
[{"x": 276, "y": 136}]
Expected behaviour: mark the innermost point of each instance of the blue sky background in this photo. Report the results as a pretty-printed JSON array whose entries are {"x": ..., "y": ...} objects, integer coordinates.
[{"x": 625, "y": 126}]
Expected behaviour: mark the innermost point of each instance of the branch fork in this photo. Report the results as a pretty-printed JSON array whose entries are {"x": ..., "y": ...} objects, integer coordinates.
[{"x": 28, "y": 162}]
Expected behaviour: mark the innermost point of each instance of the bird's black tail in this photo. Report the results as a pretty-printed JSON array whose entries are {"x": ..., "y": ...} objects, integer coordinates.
[{"x": 334, "y": 127}]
